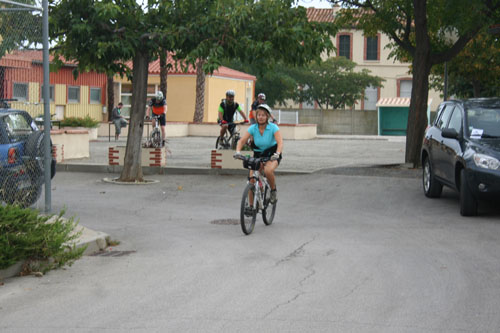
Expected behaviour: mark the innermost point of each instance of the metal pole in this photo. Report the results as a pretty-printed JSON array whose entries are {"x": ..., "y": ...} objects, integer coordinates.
[
  {"x": 445, "y": 90},
  {"x": 46, "y": 105}
]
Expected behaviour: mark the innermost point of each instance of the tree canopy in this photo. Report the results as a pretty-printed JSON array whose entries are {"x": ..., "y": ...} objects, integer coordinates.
[
  {"x": 20, "y": 28},
  {"x": 333, "y": 83},
  {"x": 475, "y": 71},
  {"x": 425, "y": 32}
]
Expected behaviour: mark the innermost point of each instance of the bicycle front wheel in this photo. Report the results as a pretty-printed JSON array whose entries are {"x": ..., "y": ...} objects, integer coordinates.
[
  {"x": 269, "y": 209},
  {"x": 156, "y": 138},
  {"x": 248, "y": 213}
]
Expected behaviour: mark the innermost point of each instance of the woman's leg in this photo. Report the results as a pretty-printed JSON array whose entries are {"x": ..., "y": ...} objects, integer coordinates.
[{"x": 269, "y": 172}]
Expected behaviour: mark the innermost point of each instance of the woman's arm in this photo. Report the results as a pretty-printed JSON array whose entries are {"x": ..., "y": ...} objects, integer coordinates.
[
  {"x": 279, "y": 141},
  {"x": 241, "y": 142}
]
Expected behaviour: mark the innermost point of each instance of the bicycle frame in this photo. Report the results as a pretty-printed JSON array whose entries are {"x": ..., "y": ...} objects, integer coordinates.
[
  {"x": 260, "y": 184},
  {"x": 228, "y": 136}
]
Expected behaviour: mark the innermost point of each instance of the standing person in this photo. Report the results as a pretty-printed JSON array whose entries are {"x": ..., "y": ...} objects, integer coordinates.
[
  {"x": 118, "y": 120},
  {"x": 261, "y": 99},
  {"x": 267, "y": 142},
  {"x": 158, "y": 105},
  {"x": 227, "y": 109}
]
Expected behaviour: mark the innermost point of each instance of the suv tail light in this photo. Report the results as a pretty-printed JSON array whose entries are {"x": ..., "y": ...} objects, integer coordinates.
[{"x": 12, "y": 155}]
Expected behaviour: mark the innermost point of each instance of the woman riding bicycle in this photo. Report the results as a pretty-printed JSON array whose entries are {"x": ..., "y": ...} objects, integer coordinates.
[{"x": 266, "y": 142}]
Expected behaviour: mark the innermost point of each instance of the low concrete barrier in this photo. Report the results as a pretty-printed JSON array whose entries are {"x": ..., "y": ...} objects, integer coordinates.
[
  {"x": 180, "y": 129},
  {"x": 74, "y": 142},
  {"x": 223, "y": 159},
  {"x": 150, "y": 157}
]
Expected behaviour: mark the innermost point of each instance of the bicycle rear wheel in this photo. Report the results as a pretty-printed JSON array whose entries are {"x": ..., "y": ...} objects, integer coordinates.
[
  {"x": 269, "y": 209},
  {"x": 248, "y": 214},
  {"x": 218, "y": 143},
  {"x": 156, "y": 138}
]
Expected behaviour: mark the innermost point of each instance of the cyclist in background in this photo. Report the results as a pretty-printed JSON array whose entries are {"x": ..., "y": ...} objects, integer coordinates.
[
  {"x": 261, "y": 99},
  {"x": 158, "y": 105},
  {"x": 267, "y": 142},
  {"x": 227, "y": 109}
]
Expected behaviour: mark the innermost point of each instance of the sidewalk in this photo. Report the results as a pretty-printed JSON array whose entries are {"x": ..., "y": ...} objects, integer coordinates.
[{"x": 192, "y": 154}]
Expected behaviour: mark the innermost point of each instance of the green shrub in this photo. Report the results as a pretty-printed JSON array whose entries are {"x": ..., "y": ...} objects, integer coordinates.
[
  {"x": 44, "y": 240},
  {"x": 87, "y": 121}
]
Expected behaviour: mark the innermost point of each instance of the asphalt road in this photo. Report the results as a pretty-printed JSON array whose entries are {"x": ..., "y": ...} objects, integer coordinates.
[{"x": 348, "y": 252}]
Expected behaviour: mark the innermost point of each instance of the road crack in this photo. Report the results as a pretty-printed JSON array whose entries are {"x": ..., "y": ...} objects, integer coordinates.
[{"x": 295, "y": 253}]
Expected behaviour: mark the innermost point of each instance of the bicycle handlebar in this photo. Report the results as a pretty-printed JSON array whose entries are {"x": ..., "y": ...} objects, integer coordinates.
[
  {"x": 233, "y": 123},
  {"x": 257, "y": 159}
]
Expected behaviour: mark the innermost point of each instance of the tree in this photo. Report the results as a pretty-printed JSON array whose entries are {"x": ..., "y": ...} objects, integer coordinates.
[
  {"x": 254, "y": 31},
  {"x": 275, "y": 80},
  {"x": 421, "y": 31},
  {"x": 475, "y": 71},
  {"x": 104, "y": 35},
  {"x": 333, "y": 83},
  {"x": 20, "y": 28}
]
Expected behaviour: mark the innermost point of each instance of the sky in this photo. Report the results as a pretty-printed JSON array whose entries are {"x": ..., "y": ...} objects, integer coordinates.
[{"x": 315, "y": 3}]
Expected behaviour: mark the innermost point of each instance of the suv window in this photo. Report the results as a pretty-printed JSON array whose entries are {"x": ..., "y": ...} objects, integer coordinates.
[
  {"x": 445, "y": 116},
  {"x": 456, "y": 120}
]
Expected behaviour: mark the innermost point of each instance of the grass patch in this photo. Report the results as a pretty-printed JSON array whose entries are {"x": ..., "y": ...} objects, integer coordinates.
[{"x": 43, "y": 242}]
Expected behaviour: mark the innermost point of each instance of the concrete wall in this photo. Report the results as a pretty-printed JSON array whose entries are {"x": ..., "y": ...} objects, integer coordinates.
[
  {"x": 341, "y": 121},
  {"x": 179, "y": 129}
]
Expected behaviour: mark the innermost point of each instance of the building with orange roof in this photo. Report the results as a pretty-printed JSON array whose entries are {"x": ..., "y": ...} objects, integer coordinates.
[
  {"x": 181, "y": 90},
  {"x": 21, "y": 78}
]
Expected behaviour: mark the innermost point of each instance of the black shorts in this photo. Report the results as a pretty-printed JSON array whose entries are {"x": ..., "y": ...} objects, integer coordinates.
[
  {"x": 161, "y": 118},
  {"x": 266, "y": 153}
]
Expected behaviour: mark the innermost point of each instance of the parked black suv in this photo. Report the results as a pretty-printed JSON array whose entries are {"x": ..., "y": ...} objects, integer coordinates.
[
  {"x": 462, "y": 150},
  {"x": 21, "y": 157}
]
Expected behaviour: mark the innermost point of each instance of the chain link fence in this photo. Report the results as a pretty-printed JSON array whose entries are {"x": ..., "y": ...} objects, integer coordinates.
[{"x": 22, "y": 167}]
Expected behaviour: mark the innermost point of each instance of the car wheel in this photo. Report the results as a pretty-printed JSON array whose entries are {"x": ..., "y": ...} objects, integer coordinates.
[
  {"x": 432, "y": 187},
  {"x": 21, "y": 190},
  {"x": 34, "y": 153},
  {"x": 468, "y": 204}
]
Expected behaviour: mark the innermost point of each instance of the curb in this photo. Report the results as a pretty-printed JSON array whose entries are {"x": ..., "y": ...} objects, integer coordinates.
[
  {"x": 146, "y": 170},
  {"x": 95, "y": 241}
]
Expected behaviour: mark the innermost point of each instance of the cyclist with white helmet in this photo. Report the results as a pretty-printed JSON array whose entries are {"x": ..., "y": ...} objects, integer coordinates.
[
  {"x": 266, "y": 142},
  {"x": 261, "y": 99},
  {"x": 227, "y": 109},
  {"x": 158, "y": 105}
]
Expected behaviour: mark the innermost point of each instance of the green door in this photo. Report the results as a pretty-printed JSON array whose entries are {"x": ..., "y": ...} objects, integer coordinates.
[{"x": 393, "y": 120}]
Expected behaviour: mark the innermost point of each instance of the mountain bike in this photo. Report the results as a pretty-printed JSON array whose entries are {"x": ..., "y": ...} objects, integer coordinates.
[
  {"x": 154, "y": 140},
  {"x": 230, "y": 139},
  {"x": 256, "y": 195}
]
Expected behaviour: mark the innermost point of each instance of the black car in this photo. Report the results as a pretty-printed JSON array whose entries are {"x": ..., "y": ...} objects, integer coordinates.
[
  {"x": 21, "y": 157},
  {"x": 462, "y": 150}
]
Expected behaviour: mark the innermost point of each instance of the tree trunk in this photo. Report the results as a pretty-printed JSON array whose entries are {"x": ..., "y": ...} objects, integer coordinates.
[
  {"x": 132, "y": 169},
  {"x": 111, "y": 96},
  {"x": 163, "y": 73},
  {"x": 200, "y": 92},
  {"x": 417, "y": 116}
]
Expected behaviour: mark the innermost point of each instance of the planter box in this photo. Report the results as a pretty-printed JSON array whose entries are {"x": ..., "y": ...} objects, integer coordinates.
[
  {"x": 75, "y": 143},
  {"x": 153, "y": 157},
  {"x": 223, "y": 159}
]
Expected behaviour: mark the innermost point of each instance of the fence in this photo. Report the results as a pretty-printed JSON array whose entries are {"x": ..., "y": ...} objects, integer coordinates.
[{"x": 23, "y": 169}]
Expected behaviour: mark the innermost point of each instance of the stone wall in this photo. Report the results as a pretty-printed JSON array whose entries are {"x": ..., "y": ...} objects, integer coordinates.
[{"x": 341, "y": 121}]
